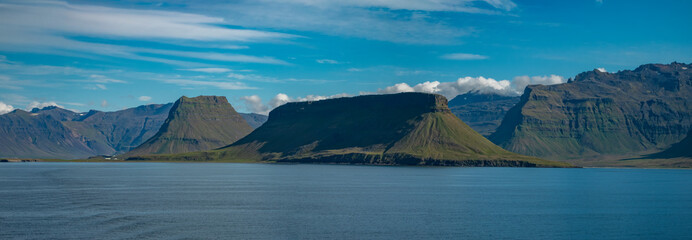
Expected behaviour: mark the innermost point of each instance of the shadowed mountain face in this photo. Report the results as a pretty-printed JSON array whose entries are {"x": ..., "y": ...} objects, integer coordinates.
[
  {"x": 54, "y": 132},
  {"x": 397, "y": 129},
  {"x": 110, "y": 133},
  {"x": 482, "y": 111},
  {"x": 37, "y": 135},
  {"x": 601, "y": 113},
  {"x": 196, "y": 124},
  {"x": 680, "y": 149}
]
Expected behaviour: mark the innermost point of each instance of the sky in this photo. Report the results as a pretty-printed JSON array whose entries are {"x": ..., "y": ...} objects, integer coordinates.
[{"x": 111, "y": 55}]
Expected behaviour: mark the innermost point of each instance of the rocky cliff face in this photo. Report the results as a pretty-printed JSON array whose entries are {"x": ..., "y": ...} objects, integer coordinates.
[
  {"x": 397, "y": 129},
  {"x": 196, "y": 124},
  {"x": 601, "y": 113},
  {"x": 482, "y": 112}
]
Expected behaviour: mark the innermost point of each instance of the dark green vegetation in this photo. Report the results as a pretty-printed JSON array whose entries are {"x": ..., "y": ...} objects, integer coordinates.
[
  {"x": 54, "y": 132},
  {"x": 196, "y": 124},
  {"x": 483, "y": 112},
  {"x": 397, "y": 129},
  {"x": 600, "y": 115}
]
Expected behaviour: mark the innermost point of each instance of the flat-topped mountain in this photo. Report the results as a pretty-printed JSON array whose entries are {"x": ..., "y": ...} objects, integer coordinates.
[
  {"x": 196, "y": 124},
  {"x": 482, "y": 111},
  {"x": 600, "y": 113},
  {"x": 396, "y": 129}
]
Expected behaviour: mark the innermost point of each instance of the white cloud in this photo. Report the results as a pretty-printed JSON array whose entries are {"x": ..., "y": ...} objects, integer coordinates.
[
  {"x": 463, "y": 56},
  {"x": 209, "y": 70},
  {"x": 254, "y": 103},
  {"x": 327, "y": 61},
  {"x": 468, "y": 84},
  {"x": 144, "y": 98},
  {"x": 5, "y": 108},
  {"x": 104, "y": 103},
  {"x": 101, "y": 86},
  {"x": 40, "y": 105},
  {"x": 603, "y": 70}
]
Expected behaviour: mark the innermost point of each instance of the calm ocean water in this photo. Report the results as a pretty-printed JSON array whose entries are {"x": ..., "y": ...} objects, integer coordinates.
[{"x": 266, "y": 201}]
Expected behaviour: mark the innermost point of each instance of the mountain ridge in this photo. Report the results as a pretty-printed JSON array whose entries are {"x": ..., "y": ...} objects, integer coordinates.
[{"x": 395, "y": 129}]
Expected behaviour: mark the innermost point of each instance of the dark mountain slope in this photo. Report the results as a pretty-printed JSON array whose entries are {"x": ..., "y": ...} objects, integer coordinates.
[
  {"x": 602, "y": 113},
  {"x": 37, "y": 135},
  {"x": 680, "y": 149},
  {"x": 196, "y": 124},
  {"x": 482, "y": 112},
  {"x": 397, "y": 129},
  {"x": 117, "y": 132}
]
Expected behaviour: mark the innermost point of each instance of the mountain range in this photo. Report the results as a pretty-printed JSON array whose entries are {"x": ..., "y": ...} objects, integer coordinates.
[
  {"x": 54, "y": 132},
  {"x": 601, "y": 115},
  {"x": 395, "y": 129}
]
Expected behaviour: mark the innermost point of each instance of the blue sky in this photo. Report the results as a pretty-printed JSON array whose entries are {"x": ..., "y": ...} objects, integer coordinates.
[{"x": 110, "y": 55}]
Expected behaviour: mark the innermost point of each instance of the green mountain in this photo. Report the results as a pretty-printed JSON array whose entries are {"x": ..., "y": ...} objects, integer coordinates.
[
  {"x": 40, "y": 134},
  {"x": 397, "y": 129},
  {"x": 482, "y": 111},
  {"x": 600, "y": 114},
  {"x": 196, "y": 124}
]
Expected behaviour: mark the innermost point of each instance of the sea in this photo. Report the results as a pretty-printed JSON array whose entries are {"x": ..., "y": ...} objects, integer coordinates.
[{"x": 301, "y": 201}]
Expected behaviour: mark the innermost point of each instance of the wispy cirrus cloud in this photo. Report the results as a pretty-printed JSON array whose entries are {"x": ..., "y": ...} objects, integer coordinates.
[
  {"x": 463, "y": 56},
  {"x": 211, "y": 83},
  {"x": 399, "y": 21},
  {"x": 51, "y": 27}
]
